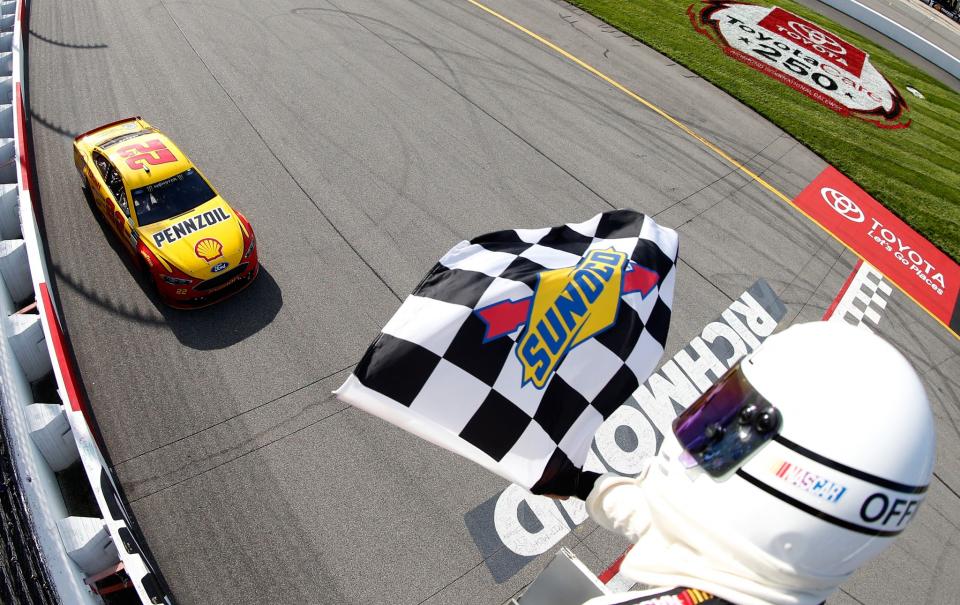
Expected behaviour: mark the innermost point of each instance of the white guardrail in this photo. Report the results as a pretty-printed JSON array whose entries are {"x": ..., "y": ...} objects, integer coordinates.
[
  {"x": 86, "y": 557},
  {"x": 890, "y": 28}
]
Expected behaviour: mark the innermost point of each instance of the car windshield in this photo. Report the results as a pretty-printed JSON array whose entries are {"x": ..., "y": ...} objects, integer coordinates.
[
  {"x": 119, "y": 139},
  {"x": 170, "y": 197}
]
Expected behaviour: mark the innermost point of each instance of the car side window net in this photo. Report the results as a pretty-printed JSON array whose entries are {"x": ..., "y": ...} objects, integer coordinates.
[
  {"x": 116, "y": 187},
  {"x": 102, "y": 165},
  {"x": 113, "y": 180}
]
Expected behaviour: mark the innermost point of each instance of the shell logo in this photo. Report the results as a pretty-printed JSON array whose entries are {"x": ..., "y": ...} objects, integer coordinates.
[{"x": 208, "y": 249}]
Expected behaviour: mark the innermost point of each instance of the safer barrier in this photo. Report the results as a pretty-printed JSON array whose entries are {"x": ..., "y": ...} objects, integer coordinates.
[
  {"x": 886, "y": 26},
  {"x": 87, "y": 559}
]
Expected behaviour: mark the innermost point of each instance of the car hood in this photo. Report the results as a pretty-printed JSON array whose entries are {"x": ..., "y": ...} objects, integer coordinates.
[{"x": 199, "y": 241}]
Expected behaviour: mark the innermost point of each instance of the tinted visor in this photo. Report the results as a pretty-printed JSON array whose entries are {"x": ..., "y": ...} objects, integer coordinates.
[{"x": 726, "y": 424}]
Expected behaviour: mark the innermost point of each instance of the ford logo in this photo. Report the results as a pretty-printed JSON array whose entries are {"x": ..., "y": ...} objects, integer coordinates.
[{"x": 219, "y": 267}]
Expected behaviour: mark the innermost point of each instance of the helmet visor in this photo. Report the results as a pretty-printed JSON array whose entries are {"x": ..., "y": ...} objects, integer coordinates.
[{"x": 726, "y": 425}]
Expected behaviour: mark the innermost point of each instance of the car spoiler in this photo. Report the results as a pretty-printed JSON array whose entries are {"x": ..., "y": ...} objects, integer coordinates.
[{"x": 105, "y": 126}]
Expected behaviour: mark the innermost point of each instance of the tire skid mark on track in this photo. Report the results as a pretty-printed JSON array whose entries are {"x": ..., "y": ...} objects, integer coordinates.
[
  {"x": 815, "y": 289},
  {"x": 649, "y": 105},
  {"x": 947, "y": 485},
  {"x": 353, "y": 17},
  {"x": 276, "y": 157},
  {"x": 237, "y": 415},
  {"x": 235, "y": 458},
  {"x": 731, "y": 172},
  {"x": 738, "y": 189}
]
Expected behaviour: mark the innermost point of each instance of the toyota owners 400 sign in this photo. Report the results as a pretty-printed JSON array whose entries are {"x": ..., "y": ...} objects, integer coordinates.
[{"x": 804, "y": 56}]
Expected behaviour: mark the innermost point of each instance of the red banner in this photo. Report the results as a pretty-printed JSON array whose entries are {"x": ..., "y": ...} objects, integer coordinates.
[
  {"x": 905, "y": 257},
  {"x": 816, "y": 39}
]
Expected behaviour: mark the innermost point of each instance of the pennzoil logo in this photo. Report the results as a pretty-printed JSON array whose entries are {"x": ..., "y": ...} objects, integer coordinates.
[
  {"x": 190, "y": 225},
  {"x": 569, "y": 306}
]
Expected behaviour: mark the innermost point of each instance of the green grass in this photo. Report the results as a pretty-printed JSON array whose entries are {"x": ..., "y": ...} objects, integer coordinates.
[{"x": 912, "y": 171}]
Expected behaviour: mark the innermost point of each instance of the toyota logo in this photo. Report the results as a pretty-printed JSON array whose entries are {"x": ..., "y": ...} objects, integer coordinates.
[
  {"x": 817, "y": 38},
  {"x": 844, "y": 206}
]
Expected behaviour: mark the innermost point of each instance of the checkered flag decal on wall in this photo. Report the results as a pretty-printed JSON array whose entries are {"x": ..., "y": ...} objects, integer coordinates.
[{"x": 519, "y": 344}]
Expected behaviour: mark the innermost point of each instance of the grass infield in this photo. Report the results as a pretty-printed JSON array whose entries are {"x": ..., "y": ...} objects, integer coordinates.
[{"x": 912, "y": 171}]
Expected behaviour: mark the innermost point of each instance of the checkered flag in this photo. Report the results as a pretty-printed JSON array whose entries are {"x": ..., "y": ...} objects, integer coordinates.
[{"x": 519, "y": 344}]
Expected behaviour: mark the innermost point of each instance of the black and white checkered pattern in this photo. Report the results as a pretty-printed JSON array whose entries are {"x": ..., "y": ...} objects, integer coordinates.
[
  {"x": 865, "y": 299},
  {"x": 431, "y": 373}
]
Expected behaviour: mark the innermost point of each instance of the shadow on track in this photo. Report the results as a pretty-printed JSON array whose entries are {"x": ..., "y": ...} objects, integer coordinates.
[
  {"x": 61, "y": 130},
  {"x": 67, "y": 44},
  {"x": 216, "y": 327},
  {"x": 230, "y": 321}
]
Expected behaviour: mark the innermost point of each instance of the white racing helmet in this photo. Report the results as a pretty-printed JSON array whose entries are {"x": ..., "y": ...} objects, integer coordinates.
[{"x": 802, "y": 463}]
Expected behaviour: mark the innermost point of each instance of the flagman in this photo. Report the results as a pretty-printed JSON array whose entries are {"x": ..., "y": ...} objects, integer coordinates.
[{"x": 800, "y": 465}]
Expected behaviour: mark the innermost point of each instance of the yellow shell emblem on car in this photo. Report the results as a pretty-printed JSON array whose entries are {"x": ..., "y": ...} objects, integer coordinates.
[{"x": 208, "y": 249}]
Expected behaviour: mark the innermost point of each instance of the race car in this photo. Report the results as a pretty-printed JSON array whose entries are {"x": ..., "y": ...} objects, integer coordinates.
[{"x": 191, "y": 244}]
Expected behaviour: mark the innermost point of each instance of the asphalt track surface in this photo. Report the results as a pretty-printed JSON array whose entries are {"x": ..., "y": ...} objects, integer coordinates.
[{"x": 362, "y": 140}]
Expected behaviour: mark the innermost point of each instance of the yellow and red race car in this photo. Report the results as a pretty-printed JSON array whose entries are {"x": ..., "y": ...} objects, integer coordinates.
[{"x": 193, "y": 246}]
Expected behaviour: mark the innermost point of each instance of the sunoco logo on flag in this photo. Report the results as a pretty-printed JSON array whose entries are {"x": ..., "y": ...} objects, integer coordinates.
[
  {"x": 569, "y": 306},
  {"x": 518, "y": 344}
]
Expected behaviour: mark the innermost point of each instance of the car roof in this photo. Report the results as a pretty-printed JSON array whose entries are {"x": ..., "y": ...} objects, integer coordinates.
[{"x": 124, "y": 155}]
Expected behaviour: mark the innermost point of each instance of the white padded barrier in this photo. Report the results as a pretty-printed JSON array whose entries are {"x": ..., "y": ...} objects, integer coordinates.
[
  {"x": 29, "y": 346},
  {"x": 8, "y": 156},
  {"x": 44, "y": 502},
  {"x": 88, "y": 543},
  {"x": 50, "y": 431},
  {"x": 45, "y": 438},
  {"x": 6, "y": 90},
  {"x": 15, "y": 269},
  {"x": 6, "y": 124},
  {"x": 9, "y": 212}
]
